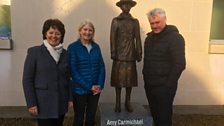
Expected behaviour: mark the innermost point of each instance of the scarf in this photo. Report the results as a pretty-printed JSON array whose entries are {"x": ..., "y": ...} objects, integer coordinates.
[{"x": 55, "y": 52}]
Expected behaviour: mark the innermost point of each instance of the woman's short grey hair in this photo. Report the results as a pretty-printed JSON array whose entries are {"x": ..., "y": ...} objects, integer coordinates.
[
  {"x": 87, "y": 22},
  {"x": 156, "y": 11}
]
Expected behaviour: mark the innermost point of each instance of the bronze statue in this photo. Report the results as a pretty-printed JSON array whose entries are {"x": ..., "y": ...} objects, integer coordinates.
[{"x": 126, "y": 49}]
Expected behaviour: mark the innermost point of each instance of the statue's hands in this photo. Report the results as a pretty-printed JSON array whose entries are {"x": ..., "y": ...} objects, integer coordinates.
[{"x": 139, "y": 59}]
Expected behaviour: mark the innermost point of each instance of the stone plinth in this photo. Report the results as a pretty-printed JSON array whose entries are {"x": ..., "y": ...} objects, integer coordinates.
[{"x": 139, "y": 117}]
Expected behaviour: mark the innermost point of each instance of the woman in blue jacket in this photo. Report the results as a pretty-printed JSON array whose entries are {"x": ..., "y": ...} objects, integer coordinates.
[{"x": 88, "y": 75}]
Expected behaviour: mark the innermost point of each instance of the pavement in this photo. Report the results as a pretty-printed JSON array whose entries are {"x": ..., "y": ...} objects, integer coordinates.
[{"x": 21, "y": 111}]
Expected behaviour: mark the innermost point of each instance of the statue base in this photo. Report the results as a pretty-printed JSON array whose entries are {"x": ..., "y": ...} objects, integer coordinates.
[{"x": 139, "y": 117}]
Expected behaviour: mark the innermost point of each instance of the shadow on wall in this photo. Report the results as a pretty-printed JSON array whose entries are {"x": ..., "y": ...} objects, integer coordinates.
[
  {"x": 192, "y": 87},
  {"x": 101, "y": 14}
]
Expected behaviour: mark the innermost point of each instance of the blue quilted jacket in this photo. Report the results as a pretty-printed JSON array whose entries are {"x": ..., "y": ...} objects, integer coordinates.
[{"x": 87, "y": 69}]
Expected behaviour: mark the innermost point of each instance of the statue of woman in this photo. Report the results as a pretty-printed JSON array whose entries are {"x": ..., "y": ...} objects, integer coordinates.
[{"x": 126, "y": 49}]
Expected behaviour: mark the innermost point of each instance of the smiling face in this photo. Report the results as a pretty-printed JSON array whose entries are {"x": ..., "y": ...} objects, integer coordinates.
[
  {"x": 53, "y": 36},
  {"x": 157, "y": 23},
  {"x": 86, "y": 33},
  {"x": 53, "y": 31}
]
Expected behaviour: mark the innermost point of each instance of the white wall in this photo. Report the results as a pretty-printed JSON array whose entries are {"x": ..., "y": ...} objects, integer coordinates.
[{"x": 200, "y": 84}]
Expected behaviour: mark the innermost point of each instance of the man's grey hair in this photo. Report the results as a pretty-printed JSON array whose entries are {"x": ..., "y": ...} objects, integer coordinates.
[{"x": 156, "y": 11}]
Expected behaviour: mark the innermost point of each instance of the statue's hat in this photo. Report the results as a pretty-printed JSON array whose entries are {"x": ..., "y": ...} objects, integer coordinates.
[{"x": 121, "y": 2}]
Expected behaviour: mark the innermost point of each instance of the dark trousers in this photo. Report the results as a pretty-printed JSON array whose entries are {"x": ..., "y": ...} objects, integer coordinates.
[
  {"x": 51, "y": 122},
  {"x": 161, "y": 103},
  {"x": 85, "y": 107}
]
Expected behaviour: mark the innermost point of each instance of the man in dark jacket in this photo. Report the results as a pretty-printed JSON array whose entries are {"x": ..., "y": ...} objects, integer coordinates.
[{"x": 164, "y": 61}]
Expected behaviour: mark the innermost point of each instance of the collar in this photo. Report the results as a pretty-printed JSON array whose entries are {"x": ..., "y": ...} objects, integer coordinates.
[{"x": 125, "y": 16}]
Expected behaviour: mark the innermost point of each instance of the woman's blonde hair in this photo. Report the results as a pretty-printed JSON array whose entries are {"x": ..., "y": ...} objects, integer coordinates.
[{"x": 84, "y": 23}]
